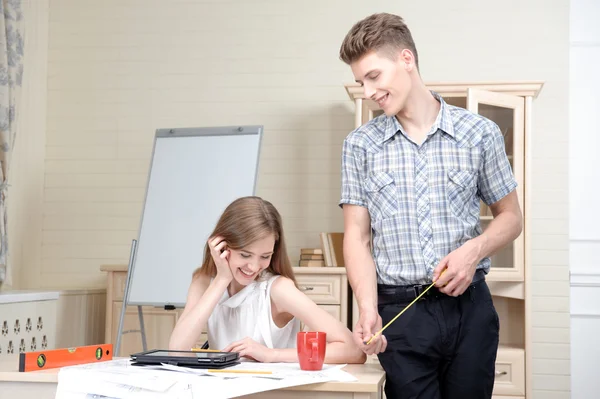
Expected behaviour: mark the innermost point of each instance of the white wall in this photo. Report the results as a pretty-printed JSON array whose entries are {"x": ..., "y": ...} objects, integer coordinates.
[
  {"x": 584, "y": 175},
  {"x": 118, "y": 69}
]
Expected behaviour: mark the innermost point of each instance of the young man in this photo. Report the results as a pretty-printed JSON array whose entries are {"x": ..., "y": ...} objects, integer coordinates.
[{"x": 413, "y": 178}]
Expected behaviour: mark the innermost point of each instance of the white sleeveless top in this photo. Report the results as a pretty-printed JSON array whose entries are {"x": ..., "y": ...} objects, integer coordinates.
[{"x": 248, "y": 314}]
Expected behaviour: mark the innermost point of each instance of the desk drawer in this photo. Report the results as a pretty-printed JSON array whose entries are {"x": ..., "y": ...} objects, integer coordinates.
[
  {"x": 510, "y": 372},
  {"x": 322, "y": 289}
]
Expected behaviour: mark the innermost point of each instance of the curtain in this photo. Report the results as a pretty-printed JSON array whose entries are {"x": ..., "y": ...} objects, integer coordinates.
[{"x": 11, "y": 76}]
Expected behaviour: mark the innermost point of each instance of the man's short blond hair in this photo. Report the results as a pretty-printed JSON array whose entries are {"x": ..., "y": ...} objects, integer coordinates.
[{"x": 380, "y": 32}]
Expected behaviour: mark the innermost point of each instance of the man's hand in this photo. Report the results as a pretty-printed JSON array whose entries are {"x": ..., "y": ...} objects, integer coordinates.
[
  {"x": 458, "y": 267},
  {"x": 368, "y": 324}
]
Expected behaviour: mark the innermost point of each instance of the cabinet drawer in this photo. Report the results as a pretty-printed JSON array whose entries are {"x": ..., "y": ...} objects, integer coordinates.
[
  {"x": 323, "y": 290},
  {"x": 510, "y": 372}
]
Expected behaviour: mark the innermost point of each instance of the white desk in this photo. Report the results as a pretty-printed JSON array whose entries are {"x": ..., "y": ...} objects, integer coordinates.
[{"x": 42, "y": 384}]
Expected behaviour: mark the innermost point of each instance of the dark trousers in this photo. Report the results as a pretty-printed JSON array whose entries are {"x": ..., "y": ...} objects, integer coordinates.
[{"x": 442, "y": 346}]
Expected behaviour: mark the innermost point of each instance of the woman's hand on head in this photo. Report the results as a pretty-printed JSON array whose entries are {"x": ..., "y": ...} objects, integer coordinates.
[
  {"x": 251, "y": 349},
  {"x": 220, "y": 254}
]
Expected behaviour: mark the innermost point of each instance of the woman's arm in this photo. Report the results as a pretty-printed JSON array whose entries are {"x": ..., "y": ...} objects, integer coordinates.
[
  {"x": 202, "y": 298},
  {"x": 340, "y": 347}
]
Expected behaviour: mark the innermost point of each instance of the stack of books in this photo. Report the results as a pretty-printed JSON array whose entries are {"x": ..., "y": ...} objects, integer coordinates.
[
  {"x": 330, "y": 254},
  {"x": 311, "y": 257}
]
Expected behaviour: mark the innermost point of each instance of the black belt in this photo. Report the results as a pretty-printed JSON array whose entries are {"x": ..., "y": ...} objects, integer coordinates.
[{"x": 401, "y": 293}]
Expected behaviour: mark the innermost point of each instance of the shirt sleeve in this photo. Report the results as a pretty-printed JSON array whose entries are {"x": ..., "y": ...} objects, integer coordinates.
[
  {"x": 353, "y": 175},
  {"x": 496, "y": 178}
]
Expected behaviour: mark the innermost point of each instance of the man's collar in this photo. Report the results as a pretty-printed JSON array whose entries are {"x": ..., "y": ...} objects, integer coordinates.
[{"x": 443, "y": 121}]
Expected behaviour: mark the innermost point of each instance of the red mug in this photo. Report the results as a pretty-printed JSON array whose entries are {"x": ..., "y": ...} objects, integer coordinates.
[{"x": 311, "y": 349}]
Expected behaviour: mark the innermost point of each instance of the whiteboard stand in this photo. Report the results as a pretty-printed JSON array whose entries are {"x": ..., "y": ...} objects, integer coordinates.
[{"x": 142, "y": 329}]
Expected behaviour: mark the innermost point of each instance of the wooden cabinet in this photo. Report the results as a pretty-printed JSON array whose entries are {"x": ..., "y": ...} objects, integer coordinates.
[
  {"x": 509, "y": 105},
  {"x": 326, "y": 286}
]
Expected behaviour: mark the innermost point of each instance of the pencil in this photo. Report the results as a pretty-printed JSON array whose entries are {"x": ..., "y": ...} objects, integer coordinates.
[
  {"x": 204, "y": 350},
  {"x": 240, "y": 371}
]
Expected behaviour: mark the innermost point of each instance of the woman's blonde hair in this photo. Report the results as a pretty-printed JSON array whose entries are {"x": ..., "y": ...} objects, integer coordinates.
[{"x": 243, "y": 222}]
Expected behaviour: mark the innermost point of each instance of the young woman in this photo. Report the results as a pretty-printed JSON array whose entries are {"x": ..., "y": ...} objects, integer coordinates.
[{"x": 246, "y": 294}]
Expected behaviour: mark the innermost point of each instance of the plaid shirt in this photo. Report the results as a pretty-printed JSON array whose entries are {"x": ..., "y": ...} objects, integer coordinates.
[{"x": 424, "y": 201}]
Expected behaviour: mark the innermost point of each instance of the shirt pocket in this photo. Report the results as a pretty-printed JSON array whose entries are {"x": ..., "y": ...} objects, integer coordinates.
[
  {"x": 381, "y": 195},
  {"x": 461, "y": 187}
]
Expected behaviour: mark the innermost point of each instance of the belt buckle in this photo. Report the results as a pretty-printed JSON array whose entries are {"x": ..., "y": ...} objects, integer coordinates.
[{"x": 419, "y": 288}]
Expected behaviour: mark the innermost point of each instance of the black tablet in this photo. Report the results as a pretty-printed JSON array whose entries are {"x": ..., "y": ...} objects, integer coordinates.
[{"x": 208, "y": 360}]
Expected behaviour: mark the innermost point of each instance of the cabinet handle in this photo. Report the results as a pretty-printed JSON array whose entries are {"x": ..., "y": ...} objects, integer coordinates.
[
  {"x": 307, "y": 288},
  {"x": 499, "y": 373}
]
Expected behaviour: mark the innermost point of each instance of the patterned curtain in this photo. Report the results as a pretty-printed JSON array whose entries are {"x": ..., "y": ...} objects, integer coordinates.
[{"x": 11, "y": 76}]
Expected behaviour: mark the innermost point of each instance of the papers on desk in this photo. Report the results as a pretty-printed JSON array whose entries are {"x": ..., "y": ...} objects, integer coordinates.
[
  {"x": 118, "y": 379},
  {"x": 114, "y": 379},
  {"x": 278, "y": 371}
]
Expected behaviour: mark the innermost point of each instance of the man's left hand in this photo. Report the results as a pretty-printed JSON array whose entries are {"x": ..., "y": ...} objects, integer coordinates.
[{"x": 458, "y": 267}]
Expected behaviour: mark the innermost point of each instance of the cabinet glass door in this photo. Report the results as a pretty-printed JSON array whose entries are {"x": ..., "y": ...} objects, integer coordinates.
[{"x": 508, "y": 112}]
